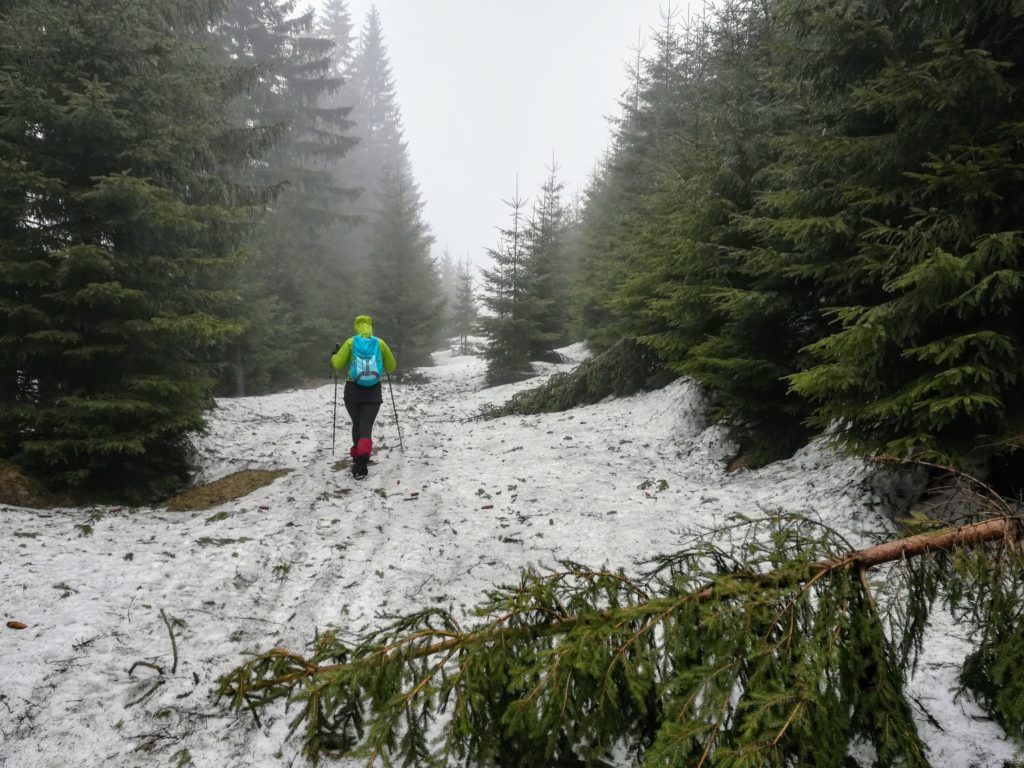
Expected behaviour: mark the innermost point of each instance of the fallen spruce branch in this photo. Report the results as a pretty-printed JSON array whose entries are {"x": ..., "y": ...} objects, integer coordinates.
[
  {"x": 758, "y": 664},
  {"x": 927, "y": 543},
  {"x": 905, "y": 548}
]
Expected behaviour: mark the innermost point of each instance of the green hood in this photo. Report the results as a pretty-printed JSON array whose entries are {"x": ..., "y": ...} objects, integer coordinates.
[{"x": 364, "y": 325}]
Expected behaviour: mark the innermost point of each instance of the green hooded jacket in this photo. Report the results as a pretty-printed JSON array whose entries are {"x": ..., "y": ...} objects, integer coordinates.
[{"x": 341, "y": 359}]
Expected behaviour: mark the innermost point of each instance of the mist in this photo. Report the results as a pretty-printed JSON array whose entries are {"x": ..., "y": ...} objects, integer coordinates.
[{"x": 489, "y": 90}]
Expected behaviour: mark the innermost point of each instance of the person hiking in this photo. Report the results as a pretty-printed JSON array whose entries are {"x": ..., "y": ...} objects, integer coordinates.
[{"x": 366, "y": 359}]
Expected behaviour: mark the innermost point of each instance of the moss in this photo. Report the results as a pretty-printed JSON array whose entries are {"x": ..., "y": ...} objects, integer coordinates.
[
  {"x": 225, "y": 489},
  {"x": 628, "y": 367}
]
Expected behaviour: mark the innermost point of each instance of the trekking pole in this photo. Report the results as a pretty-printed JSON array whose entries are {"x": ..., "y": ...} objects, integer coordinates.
[
  {"x": 395, "y": 408},
  {"x": 334, "y": 419}
]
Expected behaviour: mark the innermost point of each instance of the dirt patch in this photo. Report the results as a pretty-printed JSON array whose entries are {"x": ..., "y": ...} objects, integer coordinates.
[
  {"x": 742, "y": 461},
  {"x": 18, "y": 490},
  {"x": 228, "y": 488}
]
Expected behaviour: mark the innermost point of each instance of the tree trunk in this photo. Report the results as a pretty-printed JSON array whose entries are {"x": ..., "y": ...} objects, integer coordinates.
[
  {"x": 924, "y": 543},
  {"x": 905, "y": 548}
]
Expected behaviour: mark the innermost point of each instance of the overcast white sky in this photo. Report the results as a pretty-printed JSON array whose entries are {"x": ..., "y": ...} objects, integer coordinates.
[{"x": 490, "y": 88}]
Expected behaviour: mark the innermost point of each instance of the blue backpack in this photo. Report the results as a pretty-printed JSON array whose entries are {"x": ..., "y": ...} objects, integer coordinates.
[{"x": 367, "y": 365}]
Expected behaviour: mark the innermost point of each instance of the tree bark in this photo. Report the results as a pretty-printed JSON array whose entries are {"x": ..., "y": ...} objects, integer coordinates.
[{"x": 925, "y": 543}]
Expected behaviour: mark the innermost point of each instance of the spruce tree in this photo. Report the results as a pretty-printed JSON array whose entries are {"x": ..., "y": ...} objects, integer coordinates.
[
  {"x": 506, "y": 324},
  {"x": 345, "y": 242},
  {"x": 704, "y": 294},
  {"x": 448, "y": 272},
  {"x": 334, "y": 23},
  {"x": 381, "y": 146},
  {"x": 903, "y": 203},
  {"x": 381, "y": 151},
  {"x": 293, "y": 280},
  {"x": 464, "y": 312},
  {"x": 395, "y": 277},
  {"x": 654, "y": 109},
  {"x": 547, "y": 304},
  {"x": 119, "y": 238},
  {"x": 404, "y": 296}
]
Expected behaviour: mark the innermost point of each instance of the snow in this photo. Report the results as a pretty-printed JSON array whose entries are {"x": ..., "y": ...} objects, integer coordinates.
[{"x": 467, "y": 505}]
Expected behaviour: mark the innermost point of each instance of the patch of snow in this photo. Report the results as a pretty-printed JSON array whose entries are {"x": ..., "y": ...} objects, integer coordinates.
[
  {"x": 465, "y": 506},
  {"x": 575, "y": 353}
]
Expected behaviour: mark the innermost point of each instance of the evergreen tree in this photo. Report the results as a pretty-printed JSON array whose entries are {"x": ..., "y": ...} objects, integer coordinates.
[
  {"x": 547, "y": 305},
  {"x": 506, "y": 324},
  {"x": 382, "y": 151},
  {"x": 368, "y": 80},
  {"x": 655, "y": 108},
  {"x": 903, "y": 204},
  {"x": 703, "y": 293},
  {"x": 810, "y": 211},
  {"x": 405, "y": 289},
  {"x": 119, "y": 236},
  {"x": 448, "y": 272},
  {"x": 392, "y": 269},
  {"x": 382, "y": 148},
  {"x": 292, "y": 280},
  {"x": 464, "y": 312},
  {"x": 335, "y": 24}
]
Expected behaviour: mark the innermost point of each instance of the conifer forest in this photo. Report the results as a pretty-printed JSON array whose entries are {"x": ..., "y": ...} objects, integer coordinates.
[{"x": 710, "y": 458}]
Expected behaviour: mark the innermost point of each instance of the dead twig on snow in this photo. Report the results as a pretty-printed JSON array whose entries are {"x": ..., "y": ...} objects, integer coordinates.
[{"x": 174, "y": 644}]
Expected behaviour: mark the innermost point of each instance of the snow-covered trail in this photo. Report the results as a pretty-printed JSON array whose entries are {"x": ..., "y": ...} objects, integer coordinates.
[{"x": 467, "y": 505}]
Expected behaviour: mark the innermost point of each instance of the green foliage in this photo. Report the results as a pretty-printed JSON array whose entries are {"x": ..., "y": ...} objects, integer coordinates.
[
  {"x": 919, "y": 153},
  {"x": 405, "y": 297},
  {"x": 989, "y": 598},
  {"x": 812, "y": 209},
  {"x": 687, "y": 277},
  {"x": 991, "y": 675},
  {"x": 657, "y": 112},
  {"x": 382, "y": 145},
  {"x": 120, "y": 233},
  {"x": 384, "y": 251},
  {"x": 760, "y": 644},
  {"x": 335, "y": 24},
  {"x": 288, "y": 300},
  {"x": 527, "y": 289},
  {"x": 546, "y": 270},
  {"x": 626, "y": 368},
  {"x": 463, "y": 310},
  {"x": 507, "y": 324}
]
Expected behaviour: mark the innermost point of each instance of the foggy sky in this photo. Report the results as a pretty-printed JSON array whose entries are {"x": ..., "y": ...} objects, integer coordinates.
[{"x": 491, "y": 88}]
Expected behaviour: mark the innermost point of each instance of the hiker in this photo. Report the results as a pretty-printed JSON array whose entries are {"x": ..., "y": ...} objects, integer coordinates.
[{"x": 366, "y": 359}]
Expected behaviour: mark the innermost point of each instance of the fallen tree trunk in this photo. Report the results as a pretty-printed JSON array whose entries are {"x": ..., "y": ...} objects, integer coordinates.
[
  {"x": 576, "y": 632},
  {"x": 944, "y": 540}
]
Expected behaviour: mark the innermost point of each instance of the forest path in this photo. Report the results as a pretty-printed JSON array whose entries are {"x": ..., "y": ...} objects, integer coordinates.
[{"x": 466, "y": 505}]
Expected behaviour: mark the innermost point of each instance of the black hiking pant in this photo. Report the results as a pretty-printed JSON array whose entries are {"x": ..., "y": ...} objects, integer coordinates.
[{"x": 363, "y": 405}]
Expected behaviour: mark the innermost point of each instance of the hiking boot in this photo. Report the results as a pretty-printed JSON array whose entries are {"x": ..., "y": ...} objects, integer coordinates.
[{"x": 360, "y": 468}]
